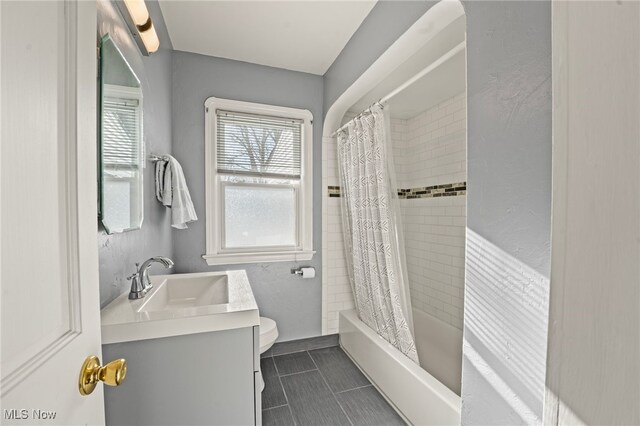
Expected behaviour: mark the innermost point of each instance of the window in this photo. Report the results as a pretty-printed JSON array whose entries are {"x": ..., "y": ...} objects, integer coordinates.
[
  {"x": 259, "y": 183},
  {"x": 121, "y": 158}
]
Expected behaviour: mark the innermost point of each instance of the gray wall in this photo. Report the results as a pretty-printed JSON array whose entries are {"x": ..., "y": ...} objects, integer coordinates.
[
  {"x": 509, "y": 211},
  {"x": 387, "y": 21},
  {"x": 119, "y": 252},
  {"x": 294, "y": 303},
  {"x": 509, "y": 197}
]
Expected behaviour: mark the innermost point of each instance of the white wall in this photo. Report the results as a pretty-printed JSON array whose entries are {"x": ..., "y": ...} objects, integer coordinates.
[
  {"x": 430, "y": 149},
  {"x": 593, "y": 369},
  {"x": 336, "y": 289}
]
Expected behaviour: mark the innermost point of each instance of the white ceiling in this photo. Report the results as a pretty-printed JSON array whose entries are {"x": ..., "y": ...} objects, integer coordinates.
[
  {"x": 299, "y": 35},
  {"x": 440, "y": 84}
]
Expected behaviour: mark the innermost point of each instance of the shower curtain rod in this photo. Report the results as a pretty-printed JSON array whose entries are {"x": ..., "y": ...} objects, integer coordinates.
[{"x": 435, "y": 64}]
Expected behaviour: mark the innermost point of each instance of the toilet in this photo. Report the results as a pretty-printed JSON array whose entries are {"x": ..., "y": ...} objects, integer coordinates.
[{"x": 268, "y": 336}]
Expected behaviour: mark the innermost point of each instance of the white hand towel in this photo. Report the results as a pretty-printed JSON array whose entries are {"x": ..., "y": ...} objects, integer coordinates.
[
  {"x": 161, "y": 167},
  {"x": 172, "y": 191},
  {"x": 167, "y": 184}
]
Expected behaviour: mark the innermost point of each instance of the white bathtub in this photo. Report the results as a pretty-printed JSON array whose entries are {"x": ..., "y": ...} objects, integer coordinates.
[
  {"x": 439, "y": 349},
  {"x": 420, "y": 396}
]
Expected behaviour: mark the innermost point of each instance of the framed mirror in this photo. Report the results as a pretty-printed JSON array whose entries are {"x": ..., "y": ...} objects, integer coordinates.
[{"x": 121, "y": 159}]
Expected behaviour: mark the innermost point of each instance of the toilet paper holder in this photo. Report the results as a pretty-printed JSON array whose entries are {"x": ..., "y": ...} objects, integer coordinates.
[{"x": 305, "y": 271}]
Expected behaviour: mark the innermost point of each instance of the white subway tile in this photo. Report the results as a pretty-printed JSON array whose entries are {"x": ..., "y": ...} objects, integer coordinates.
[{"x": 429, "y": 149}]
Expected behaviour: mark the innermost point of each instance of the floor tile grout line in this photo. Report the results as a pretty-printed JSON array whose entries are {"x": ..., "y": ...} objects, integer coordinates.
[
  {"x": 289, "y": 353},
  {"x": 298, "y": 372},
  {"x": 286, "y": 398},
  {"x": 333, "y": 394},
  {"x": 375, "y": 388},
  {"x": 323, "y": 347},
  {"x": 276, "y": 367},
  {"x": 273, "y": 408},
  {"x": 292, "y": 352},
  {"x": 284, "y": 392},
  {"x": 343, "y": 410},
  {"x": 356, "y": 388},
  {"x": 304, "y": 350}
]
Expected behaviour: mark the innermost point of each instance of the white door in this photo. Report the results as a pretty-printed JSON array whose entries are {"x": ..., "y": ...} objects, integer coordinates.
[{"x": 50, "y": 319}]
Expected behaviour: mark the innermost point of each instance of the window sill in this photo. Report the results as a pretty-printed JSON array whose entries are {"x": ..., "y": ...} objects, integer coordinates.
[{"x": 277, "y": 256}]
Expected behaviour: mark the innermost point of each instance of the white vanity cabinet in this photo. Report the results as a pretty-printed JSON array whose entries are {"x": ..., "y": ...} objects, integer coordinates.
[{"x": 188, "y": 362}]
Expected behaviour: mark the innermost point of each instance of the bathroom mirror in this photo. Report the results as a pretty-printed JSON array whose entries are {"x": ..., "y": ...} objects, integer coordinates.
[{"x": 121, "y": 148}]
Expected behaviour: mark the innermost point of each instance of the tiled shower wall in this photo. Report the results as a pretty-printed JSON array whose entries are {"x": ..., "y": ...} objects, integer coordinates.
[
  {"x": 336, "y": 290},
  {"x": 430, "y": 160},
  {"x": 430, "y": 150}
]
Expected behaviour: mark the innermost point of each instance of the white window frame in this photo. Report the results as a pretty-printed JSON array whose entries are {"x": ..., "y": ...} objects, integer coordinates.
[
  {"x": 215, "y": 253},
  {"x": 127, "y": 93}
]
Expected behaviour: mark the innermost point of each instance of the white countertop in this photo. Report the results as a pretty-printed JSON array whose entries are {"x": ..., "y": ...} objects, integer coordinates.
[{"x": 122, "y": 321}]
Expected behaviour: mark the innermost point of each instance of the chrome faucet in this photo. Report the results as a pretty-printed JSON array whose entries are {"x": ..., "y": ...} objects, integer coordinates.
[{"x": 140, "y": 283}]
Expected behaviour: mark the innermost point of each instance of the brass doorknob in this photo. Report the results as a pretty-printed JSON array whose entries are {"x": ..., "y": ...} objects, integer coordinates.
[{"x": 112, "y": 374}]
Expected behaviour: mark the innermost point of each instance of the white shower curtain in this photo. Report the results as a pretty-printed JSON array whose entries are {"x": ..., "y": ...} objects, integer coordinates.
[{"x": 372, "y": 234}]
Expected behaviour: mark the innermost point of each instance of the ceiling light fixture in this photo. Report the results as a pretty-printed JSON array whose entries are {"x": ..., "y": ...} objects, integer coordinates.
[{"x": 141, "y": 25}]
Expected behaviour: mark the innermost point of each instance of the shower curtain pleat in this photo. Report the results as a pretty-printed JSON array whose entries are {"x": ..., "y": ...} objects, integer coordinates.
[{"x": 371, "y": 231}]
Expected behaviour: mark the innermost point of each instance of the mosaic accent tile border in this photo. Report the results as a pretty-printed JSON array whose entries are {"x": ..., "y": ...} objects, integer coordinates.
[
  {"x": 445, "y": 190},
  {"x": 334, "y": 191}
]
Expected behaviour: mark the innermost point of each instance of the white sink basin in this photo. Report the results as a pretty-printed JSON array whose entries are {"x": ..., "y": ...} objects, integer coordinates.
[
  {"x": 187, "y": 291},
  {"x": 181, "y": 304}
]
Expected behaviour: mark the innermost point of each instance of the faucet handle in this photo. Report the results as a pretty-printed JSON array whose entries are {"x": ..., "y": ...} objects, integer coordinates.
[
  {"x": 135, "y": 273},
  {"x": 138, "y": 290}
]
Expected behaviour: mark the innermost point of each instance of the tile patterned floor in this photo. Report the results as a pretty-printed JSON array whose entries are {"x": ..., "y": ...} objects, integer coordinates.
[{"x": 308, "y": 384}]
